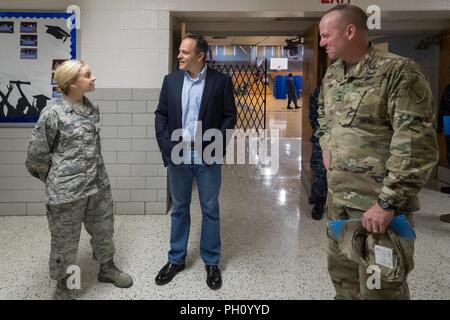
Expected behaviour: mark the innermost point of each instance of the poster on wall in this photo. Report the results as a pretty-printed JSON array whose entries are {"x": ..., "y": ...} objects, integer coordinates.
[
  {"x": 278, "y": 64},
  {"x": 33, "y": 45}
]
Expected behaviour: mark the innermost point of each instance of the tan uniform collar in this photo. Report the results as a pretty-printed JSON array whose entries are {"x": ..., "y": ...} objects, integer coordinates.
[{"x": 360, "y": 70}]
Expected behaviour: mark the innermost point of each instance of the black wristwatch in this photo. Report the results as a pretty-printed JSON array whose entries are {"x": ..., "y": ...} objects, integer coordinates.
[{"x": 386, "y": 205}]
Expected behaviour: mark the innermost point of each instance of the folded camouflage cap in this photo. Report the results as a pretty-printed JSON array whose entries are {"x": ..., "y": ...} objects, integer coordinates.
[{"x": 389, "y": 251}]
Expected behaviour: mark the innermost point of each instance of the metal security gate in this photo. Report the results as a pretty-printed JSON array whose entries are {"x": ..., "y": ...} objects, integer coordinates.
[{"x": 250, "y": 88}]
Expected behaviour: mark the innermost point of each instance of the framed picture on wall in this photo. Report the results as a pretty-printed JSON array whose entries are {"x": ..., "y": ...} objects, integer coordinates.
[
  {"x": 28, "y": 27},
  {"x": 7, "y": 27},
  {"x": 28, "y": 40},
  {"x": 28, "y": 53}
]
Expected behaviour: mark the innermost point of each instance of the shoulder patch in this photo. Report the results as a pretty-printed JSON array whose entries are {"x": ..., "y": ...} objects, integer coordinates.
[{"x": 417, "y": 90}]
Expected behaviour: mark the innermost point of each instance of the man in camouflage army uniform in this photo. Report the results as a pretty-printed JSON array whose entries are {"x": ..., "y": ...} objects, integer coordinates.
[
  {"x": 379, "y": 145},
  {"x": 64, "y": 153},
  {"x": 319, "y": 185}
]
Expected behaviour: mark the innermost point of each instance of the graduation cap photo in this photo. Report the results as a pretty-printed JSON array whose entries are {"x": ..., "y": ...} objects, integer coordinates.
[
  {"x": 28, "y": 27},
  {"x": 28, "y": 40},
  {"x": 28, "y": 53},
  {"x": 6, "y": 27},
  {"x": 57, "y": 32},
  {"x": 56, "y": 63}
]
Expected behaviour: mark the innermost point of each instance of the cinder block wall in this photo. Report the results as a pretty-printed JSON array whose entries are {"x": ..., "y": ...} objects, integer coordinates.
[{"x": 132, "y": 157}]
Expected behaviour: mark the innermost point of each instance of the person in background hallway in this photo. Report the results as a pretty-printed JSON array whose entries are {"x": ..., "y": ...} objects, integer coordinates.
[
  {"x": 319, "y": 185},
  {"x": 444, "y": 110},
  {"x": 291, "y": 92},
  {"x": 195, "y": 93},
  {"x": 379, "y": 143},
  {"x": 64, "y": 153}
]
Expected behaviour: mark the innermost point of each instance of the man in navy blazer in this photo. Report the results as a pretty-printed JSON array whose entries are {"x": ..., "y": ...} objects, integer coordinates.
[{"x": 193, "y": 101}]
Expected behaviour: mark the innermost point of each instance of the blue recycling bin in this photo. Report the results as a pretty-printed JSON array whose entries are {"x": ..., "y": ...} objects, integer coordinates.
[
  {"x": 446, "y": 121},
  {"x": 280, "y": 86},
  {"x": 298, "y": 85},
  {"x": 279, "y": 90}
]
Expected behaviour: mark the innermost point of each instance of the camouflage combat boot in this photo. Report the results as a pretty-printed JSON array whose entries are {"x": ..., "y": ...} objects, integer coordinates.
[
  {"x": 111, "y": 274},
  {"x": 62, "y": 292}
]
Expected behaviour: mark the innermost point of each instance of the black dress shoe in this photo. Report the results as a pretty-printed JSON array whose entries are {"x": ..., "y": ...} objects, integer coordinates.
[
  {"x": 166, "y": 274},
  {"x": 317, "y": 211},
  {"x": 213, "y": 277},
  {"x": 313, "y": 199},
  {"x": 445, "y": 190}
]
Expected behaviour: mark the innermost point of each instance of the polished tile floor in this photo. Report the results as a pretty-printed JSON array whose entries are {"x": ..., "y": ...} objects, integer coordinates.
[{"x": 271, "y": 248}]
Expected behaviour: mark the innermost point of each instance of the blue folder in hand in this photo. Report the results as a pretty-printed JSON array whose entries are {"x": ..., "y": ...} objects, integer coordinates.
[{"x": 399, "y": 225}]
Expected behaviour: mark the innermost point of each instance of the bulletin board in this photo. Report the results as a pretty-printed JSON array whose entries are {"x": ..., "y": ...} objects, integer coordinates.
[{"x": 32, "y": 45}]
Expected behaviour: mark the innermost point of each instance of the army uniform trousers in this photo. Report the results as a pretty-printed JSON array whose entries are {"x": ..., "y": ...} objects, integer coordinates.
[{"x": 65, "y": 220}]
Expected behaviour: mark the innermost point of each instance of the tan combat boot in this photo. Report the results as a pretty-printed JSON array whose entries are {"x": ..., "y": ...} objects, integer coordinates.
[{"x": 111, "y": 274}]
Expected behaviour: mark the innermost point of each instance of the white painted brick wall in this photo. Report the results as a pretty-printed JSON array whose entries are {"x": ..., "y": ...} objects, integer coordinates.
[
  {"x": 108, "y": 132},
  {"x": 5, "y": 170},
  {"x": 152, "y": 105},
  {"x": 107, "y": 106},
  {"x": 36, "y": 195},
  {"x": 162, "y": 195},
  {"x": 156, "y": 182},
  {"x": 131, "y": 132},
  {"x": 116, "y": 145},
  {"x": 143, "y": 195},
  {"x": 15, "y": 133},
  {"x": 20, "y": 144},
  {"x": 109, "y": 156},
  {"x": 119, "y": 170},
  {"x": 154, "y": 207},
  {"x": 143, "y": 119},
  {"x": 144, "y": 170},
  {"x": 154, "y": 157},
  {"x": 151, "y": 132},
  {"x": 162, "y": 171},
  {"x": 6, "y": 195},
  {"x": 139, "y": 20},
  {"x": 19, "y": 170},
  {"x": 13, "y": 209},
  {"x": 131, "y": 182},
  {"x": 109, "y": 119},
  {"x": 12, "y": 157},
  {"x": 131, "y": 157},
  {"x": 36, "y": 209},
  {"x": 6, "y": 144},
  {"x": 146, "y": 95},
  {"x": 13, "y": 183},
  {"x": 121, "y": 194},
  {"x": 130, "y": 151},
  {"x": 145, "y": 145},
  {"x": 132, "y": 107}
]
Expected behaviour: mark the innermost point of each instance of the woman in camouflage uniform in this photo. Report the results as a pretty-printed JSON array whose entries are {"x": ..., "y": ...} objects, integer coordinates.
[{"x": 64, "y": 152}]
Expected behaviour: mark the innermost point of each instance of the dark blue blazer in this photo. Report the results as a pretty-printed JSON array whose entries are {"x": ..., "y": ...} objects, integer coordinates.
[{"x": 217, "y": 109}]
